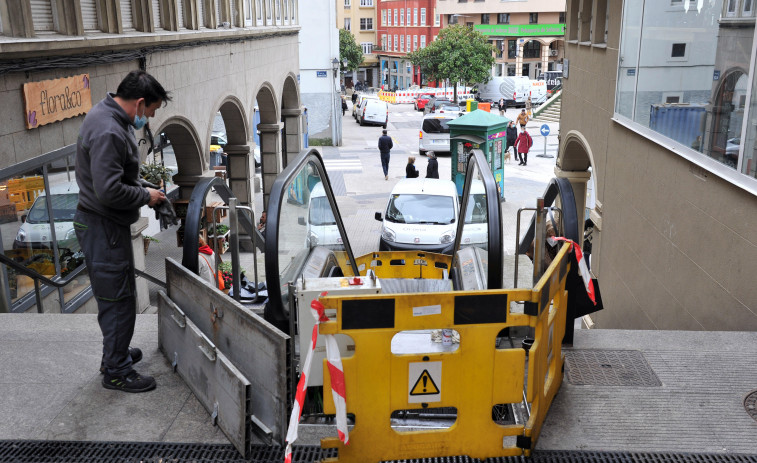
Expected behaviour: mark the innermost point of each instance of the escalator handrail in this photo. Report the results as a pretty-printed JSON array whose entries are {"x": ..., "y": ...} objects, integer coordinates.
[{"x": 562, "y": 187}]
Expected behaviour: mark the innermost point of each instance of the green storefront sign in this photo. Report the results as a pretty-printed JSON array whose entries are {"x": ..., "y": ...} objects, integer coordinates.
[{"x": 520, "y": 30}]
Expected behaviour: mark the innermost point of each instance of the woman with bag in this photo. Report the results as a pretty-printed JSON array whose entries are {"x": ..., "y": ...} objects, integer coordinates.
[{"x": 522, "y": 145}]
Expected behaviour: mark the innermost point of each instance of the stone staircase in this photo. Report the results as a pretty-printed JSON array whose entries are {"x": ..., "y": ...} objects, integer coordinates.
[{"x": 549, "y": 111}]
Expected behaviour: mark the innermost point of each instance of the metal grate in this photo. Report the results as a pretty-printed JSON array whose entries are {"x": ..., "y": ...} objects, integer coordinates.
[
  {"x": 609, "y": 368},
  {"x": 750, "y": 404},
  {"x": 151, "y": 452}
]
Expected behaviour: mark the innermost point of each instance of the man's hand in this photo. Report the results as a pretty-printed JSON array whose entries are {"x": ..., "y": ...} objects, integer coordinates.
[{"x": 156, "y": 197}]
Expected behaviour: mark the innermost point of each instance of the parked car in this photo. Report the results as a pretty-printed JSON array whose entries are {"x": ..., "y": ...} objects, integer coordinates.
[
  {"x": 360, "y": 99},
  {"x": 419, "y": 103},
  {"x": 448, "y": 108},
  {"x": 35, "y": 233},
  {"x": 434, "y": 133},
  {"x": 433, "y": 105},
  {"x": 373, "y": 112},
  {"x": 320, "y": 221},
  {"x": 421, "y": 216}
]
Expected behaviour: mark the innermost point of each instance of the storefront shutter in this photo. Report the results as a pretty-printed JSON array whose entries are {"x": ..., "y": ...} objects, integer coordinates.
[
  {"x": 89, "y": 15},
  {"x": 127, "y": 18},
  {"x": 156, "y": 15},
  {"x": 42, "y": 15}
]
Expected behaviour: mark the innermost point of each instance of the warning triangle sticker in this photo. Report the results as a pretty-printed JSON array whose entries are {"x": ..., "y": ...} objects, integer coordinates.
[{"x": 425, "y": 385}]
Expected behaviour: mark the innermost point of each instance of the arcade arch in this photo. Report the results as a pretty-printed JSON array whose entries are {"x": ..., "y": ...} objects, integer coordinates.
[
  {"x": 548, "y": 44},
  {"x": 290, "y": 117},
  {"x": 186, "y": 147},
  {"x": 269, "y": 129}
]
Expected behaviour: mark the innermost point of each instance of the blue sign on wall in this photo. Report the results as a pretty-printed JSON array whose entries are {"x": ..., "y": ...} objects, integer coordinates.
[
  {"x": 716, "y": 75},
  {"x": 320, "y": 73},
  {"x": 630, "y": 72}
]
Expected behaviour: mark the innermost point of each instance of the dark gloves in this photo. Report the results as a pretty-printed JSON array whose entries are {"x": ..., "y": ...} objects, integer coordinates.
[
  {"x": 166, "y": 214},
  {"x": 144, "y": 183}
]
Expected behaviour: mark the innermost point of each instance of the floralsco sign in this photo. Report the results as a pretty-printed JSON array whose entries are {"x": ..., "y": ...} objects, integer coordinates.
[
  {"x": 520, "y": 30},
  {"x": 50, "y": 101}
]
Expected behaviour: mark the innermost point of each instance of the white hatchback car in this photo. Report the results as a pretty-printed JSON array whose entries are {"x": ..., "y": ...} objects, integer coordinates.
[
  {"x": 35, "y": 232},
  {"x": 421, "y": 216},
  {"x": 434, "y": 133}
]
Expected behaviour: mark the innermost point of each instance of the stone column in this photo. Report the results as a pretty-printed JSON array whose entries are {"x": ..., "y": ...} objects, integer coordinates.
[
  {"x": 578, "y": 180},
  {"x": 544, "y": 59},
  {"x": 270, "y": 156},
  {"x": 292, "y": 133},
  {"x": 239, "y": 171},
  {"x": 519, "y": 58}
]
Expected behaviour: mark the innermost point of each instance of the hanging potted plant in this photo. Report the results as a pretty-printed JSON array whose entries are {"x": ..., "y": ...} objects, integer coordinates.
[{"x": 157, "y": 174}]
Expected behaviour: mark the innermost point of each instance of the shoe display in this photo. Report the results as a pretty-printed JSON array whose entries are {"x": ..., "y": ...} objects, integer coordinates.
[
  {"x": 136, "y": 356},
  {"x": 130, "y": 382}
]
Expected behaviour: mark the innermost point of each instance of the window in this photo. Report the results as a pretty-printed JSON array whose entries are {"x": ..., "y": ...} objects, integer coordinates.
[
  {"x": 485, "y": 18},
  {"x": 503, "y": 18},
  {"x": 512, "y": 49},
  {"x": 348, "y": 24},
  {"x": 415, "y": 16},
  {"x": 451, "y": 19},
  {"x": 498, "y": 45},
  {"x": 383, "y": 17},
  {"x": 423, "y": 16},
  {"x": 747, "y": 8},
  {"x": 532, "y": 49},
  {"x": 415, "y": 42},
  {"x": 383, "y": 42},
  {"x": 731, "y": 9},
  {"x": 402, "y": 16},
  {"x": 562, "y": 18},
  {"x": 367, "y": 48},
  {"x": 533, "y": 18},
  {"x": 716, "y": 98},
  {"x": 347, "y": 3},
  {"x": 437, "y": 19},
  {"x": 408, "y": 17},
  {"x": 423, "y": 41},
  {"x": 407, "y": 41},
  {"x": 395, "y": 42},
  {"x": 395, "y": 17},
  {"x": 402, "y": 43},
  {"x": 366, "y": 24},
  {"x": 366, "y": 2},
  {"x": 469, "y": 24}
]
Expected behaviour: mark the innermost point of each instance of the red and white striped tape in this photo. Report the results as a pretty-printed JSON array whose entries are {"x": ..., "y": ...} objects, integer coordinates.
[
  {"x": 583, "y": 269},
  {"x": 338, "y": 390}
]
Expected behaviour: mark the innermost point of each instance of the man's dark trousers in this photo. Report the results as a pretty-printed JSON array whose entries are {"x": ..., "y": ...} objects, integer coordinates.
[
  {"x": 385, "y": 163},
  {"x": 110, "y": 263}
]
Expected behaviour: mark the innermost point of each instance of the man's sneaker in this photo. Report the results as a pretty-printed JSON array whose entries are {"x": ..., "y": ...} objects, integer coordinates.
[
  {"x": 136, "y": 356},
  {"x": 131, "y": 382}
]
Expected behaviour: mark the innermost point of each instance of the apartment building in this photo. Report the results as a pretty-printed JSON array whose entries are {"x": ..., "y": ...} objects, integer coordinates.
[
  {"x": 359, "y": 17},
  {"x": 528, "y": 35}
]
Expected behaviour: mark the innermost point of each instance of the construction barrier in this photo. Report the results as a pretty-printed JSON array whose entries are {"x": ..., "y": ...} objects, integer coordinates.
[
  {"x": 474, "y": 378},
  {"x": 408, "y": 96}
]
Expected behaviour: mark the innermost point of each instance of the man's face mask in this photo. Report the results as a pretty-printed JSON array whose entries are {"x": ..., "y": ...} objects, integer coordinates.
[{"x": 140, "y": 121}]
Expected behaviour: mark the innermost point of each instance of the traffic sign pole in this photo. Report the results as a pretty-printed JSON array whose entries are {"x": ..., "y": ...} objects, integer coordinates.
[{"x": 544, "y": 129}]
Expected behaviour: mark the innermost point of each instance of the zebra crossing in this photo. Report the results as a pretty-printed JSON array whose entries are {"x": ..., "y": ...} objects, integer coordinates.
[{"x": 343, "y": 164}]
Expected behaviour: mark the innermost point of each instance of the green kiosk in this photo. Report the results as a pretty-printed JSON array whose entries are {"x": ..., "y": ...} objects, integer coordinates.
[{"x": 478, "y": 130}]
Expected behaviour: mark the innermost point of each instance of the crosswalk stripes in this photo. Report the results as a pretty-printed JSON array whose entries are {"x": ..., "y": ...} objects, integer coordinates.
[{"x": 352, "y": 164}]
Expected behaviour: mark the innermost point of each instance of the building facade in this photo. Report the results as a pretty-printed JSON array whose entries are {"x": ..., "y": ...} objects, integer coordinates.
[
  {"x": 404, "y": 26},
  {"x": 359, "y": 17},
  {"x": 658, "y": 112},
  {"x": 236, "y": 57},
  {"x": 319, "y": 79},
  {"x": 528, "y": 35}
]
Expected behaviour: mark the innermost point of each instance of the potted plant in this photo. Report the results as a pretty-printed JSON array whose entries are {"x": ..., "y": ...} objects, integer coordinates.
[
  {"x": 146, "y": 239},
  {"x": 155, "y": 173},
  {"x": 219, "y": 237}
]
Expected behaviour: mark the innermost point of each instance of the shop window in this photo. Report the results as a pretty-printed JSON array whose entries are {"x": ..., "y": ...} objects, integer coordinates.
[{"x": 485, "y": 18}]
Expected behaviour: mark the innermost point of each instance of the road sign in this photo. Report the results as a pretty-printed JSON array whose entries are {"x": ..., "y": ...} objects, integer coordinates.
[
  {"x": 544, "y": 130},
  {"x": 424, "y": 382}
]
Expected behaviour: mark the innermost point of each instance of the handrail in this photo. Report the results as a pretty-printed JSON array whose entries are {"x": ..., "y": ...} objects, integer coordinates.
[
  {"x": 59, "y": 282},
  {"x": 543, "y": 107}
]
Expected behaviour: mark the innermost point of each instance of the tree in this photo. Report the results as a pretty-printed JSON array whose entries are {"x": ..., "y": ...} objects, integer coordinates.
[
  {"x": 349, "y": 51},
  {"x": 459, "y": 54}
]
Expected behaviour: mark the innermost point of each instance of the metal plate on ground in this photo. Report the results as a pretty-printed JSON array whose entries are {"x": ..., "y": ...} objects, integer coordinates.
[
  {"x": 216, "y": 383},
  {"x": 588, "y": 367},
  {"x": 750, "y": 404},
  {"x": 258, "y": 349}
]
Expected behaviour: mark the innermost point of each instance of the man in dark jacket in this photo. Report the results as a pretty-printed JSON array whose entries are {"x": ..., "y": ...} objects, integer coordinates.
[
  {"x": 432, "y": 169},
  {"x": 110, "y": 196},
  {"x": 512, "y": 134},
  {"x": 385, "y": 145},
  {"x": 522, "y": 145}
]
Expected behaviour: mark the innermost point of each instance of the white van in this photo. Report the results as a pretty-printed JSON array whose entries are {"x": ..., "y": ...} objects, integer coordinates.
[
  {"x": 514, "y": 89},
  {"x": 373, "y": 112},
  {"x": 538, "y": 92},
  {"x": 35, "y": 233},
  {"x": 434, "y": 133},
  {"x": 421, "y": 216},
  {"x": 360, "y": 99},
  {"x": 322, "y": 228}
]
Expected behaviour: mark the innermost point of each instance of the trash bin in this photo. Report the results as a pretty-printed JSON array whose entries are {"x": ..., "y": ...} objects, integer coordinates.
[{"x": 471, "y": 105}]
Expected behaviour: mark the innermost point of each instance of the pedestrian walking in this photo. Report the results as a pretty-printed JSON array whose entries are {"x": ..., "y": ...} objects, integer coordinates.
[
  {"x": 344, "y": 106},
  {"x": 522, "y": 119},
  {"x": 354, "y": 97},
  {"x": 410, "y": 170},
  {"x": 528, "y": 106},
  {"x": 432, "y": 169},
  {"x": 385, "y": 146},
  {"x": 110, "y": 196},
  {"x": 501, "y": 105},
  {"x": 522, "y": 144},
  {"x": 511, "y": 136}
]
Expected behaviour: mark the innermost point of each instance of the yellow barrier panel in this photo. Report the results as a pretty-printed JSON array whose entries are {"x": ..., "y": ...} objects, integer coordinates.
[
  {"x": 402, "y": 264},
  {"x": 473, "y": 378}
]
